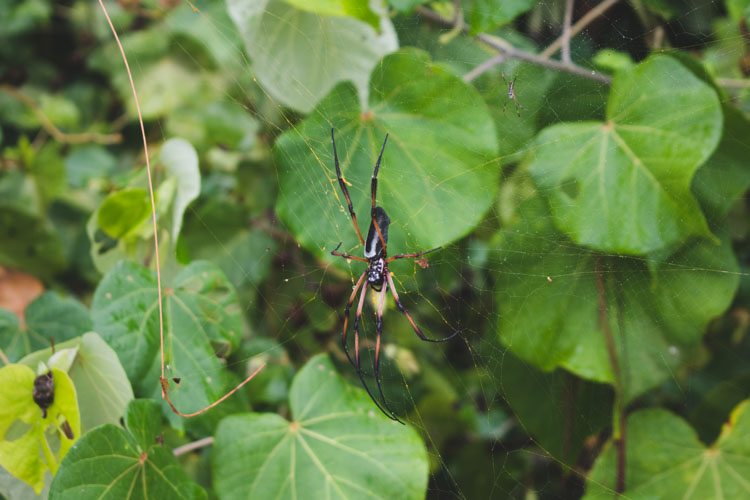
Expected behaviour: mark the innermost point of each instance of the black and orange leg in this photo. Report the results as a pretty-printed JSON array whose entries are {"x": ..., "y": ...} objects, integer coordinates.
[
  {"x": 357, "y": 365},
  {"x": 408, "y": 316},
  {"x": 345, "y": 191},
  {"x": 412, "y": 255},
  {"x": 352, "y": 297},
  {"x": 336, "y": 252},
  {"x": 376, "y": 363}
]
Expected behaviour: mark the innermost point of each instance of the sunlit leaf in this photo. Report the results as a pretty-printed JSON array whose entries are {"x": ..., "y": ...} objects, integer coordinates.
[
  {"x": 624, "y": 185},
  {"x": 353, "y": 8},
  {"x": 337, "y": 445},
  {"x": 101, "y": 383},
  {"x": 665, "y": 459},
  {"x": 441, "y": 152},
  {"x": 123, "y": 211},
  {"x": 114, "y": 463},
  {"x": 32, "y": 444},
  {"x": 181, "y": 161},
  {"x": 486, "y": 15},
  {"x": 290, "y": 47}
]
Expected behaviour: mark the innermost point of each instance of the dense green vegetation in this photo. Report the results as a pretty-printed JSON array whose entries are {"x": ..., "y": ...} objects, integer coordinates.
[{"x": 587, "y": 193}]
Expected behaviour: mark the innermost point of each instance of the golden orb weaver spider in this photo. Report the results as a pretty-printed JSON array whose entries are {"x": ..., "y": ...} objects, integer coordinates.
[
  {"x": 378, "y": 277},
  {"x": 512, "y": 94}
]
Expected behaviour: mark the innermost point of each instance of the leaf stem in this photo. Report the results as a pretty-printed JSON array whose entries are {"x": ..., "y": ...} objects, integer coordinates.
[
  {"x": 4, "y": 358},
  {"x": 618, "y": 410},
  {"x": 568, "y": 18}
]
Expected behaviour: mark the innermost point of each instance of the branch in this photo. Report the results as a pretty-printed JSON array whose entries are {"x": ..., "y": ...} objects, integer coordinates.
[
  {"x": 577, "y": 27},
  {"x": 55, "y": 132},
  {"x": 187, "y": 448},
  {"x": 566, "y": 31},
  {"x": 510, "y": 51}
]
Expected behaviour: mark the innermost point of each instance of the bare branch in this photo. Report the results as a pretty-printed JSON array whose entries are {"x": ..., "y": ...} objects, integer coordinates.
[
  {"x": 580, "y": 25},
  {"x": 510, "y": 51},
  {"x": 566, "y": 31}
]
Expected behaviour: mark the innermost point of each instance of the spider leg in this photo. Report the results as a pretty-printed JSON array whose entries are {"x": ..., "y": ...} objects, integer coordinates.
[
  {"x": 343, "y": 188},
  {"x": 502, "y": 74},
  {"x": 408, "y": 316},
  {"x": 514, "y": 78},
  {"x": 346, "y": 255},
  {"x": 356, "y": 353},
  {"x": 376, "y": 364},
  {"x": 346, "y": 316},
  {"x": 518, "y": 108},
  {"x": 411, "y": 255},
  {"x": 374, "y": 190}
]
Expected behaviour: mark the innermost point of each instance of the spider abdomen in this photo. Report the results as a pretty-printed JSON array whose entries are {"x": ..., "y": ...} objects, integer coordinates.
[
  {"x": 373, "y": 243},
  {"x": 376, "y": 273}
]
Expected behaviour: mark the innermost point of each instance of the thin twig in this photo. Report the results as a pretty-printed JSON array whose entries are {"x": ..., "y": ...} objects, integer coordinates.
[
  {"x": 187, "y": 448},
  {"x": 485, "y": 66},
  {"x": 510, "y": 51},
  {"x": 4, "y": 358},
  {"x": 737, "y": 83},
  {"x": 55, "y": 132},
  {"x": 567, "y": 19},
  {"x": 578, "y": 26}
]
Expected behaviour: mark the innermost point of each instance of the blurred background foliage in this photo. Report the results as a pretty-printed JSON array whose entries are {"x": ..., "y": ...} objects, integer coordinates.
[{"x": 595, "y": 240}]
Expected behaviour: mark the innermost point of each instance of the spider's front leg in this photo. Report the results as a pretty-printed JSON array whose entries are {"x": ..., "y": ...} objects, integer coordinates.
[{"x": 376, "y": 362}]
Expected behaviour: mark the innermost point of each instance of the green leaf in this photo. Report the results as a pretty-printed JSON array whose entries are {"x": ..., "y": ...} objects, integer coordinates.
[
  {"x": 202, "y": 319},
  {"x": 337, "y": 445},
  {"x": 439, "y": 171},
  {"x": 353, "y": 8},
  {"x": 88, "y": 162},
  {"x": 123, "y": 211},
  {"x": 720, "y": 182},
  {"x": 28, "y": 450},
  {"x": 48, "y": 316},
  {"x": 28, "y": 243},
  {"x": 624, "y": 185},
  {"x": 181, "y": 161},
  {"x": 112, "y": 463},
  {"x": 486, "y": 15},
  {"x": 653, "y": 322},
  {"x": 665, "y": 460},
  {"x": 289, "y": 47},
  {"x": 101, "y": 383}
]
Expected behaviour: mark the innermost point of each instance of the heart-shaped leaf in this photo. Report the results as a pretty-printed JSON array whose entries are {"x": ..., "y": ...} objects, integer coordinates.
[
  {"x": 336, "y": 446},
  {"x": 665, "y": 460},
  {"x": 27, "y": 449},
  {"x": 624, "y": 185},
  {"x": 289, "y": 48},
  {"x": 112, "y": 463},
  {"x": 101, "y": 383},
  {"x": 48, "y": 316},
  {"x": 201, "y": 319},
  {"x": 439, "y": 171},
  {"x": 557, "y": 323}
]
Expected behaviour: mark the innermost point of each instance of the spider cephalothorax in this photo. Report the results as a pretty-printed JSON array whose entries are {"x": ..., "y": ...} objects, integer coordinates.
[{"x": 377, "y": 276}]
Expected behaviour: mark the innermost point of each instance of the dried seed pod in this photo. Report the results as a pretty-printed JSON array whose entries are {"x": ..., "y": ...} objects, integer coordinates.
[{"x": 44, "y": 391}]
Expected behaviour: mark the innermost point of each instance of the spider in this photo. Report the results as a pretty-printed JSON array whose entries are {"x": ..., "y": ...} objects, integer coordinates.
[
  {"x": 378, "y": 277},
  {"x": 512, "y": 94}
]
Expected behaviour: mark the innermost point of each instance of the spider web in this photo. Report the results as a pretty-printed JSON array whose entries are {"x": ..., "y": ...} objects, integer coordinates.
[{"x": 469, "y": 397}]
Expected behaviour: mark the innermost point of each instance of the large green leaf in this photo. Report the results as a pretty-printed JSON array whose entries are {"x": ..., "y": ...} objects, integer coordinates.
[
  {"x": 48, "y": 316},
  {"x": 665, "y": 460},
  {"x": 624, "y": 185},
  {"x": 201, "y": 319},
  {"x": 653, "y": 320},
  {"x": 337, "y": 446},
  {"x": 101, "y": 383},
  {"x": 112, "y": 463},
  {"x": 439, "y": 171},
  {"x": 298, "y": 56},
  {"x": 27, "y": 449}
]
